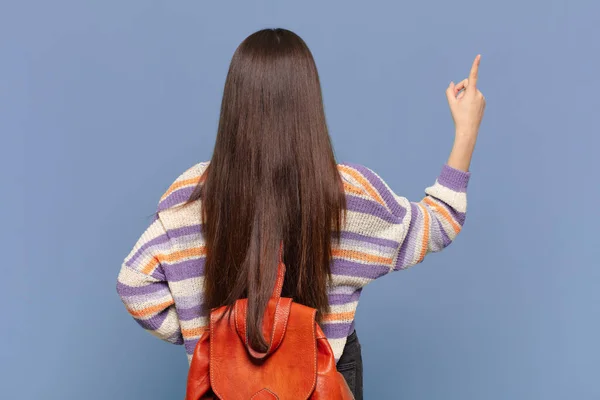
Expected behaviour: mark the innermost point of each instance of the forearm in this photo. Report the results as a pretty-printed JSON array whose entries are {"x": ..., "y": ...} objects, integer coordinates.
[
  {"x": 462, "y": 151},
  {"x": 150, "y": 303},
  {"x": 434, "y": 222}
]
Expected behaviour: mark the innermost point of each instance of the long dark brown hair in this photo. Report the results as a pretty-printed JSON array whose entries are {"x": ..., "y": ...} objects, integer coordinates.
[{"x": 272, "y": 178}]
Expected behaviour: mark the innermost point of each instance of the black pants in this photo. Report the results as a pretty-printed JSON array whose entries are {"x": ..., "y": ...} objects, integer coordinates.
[{"x": 350, "y": 366}]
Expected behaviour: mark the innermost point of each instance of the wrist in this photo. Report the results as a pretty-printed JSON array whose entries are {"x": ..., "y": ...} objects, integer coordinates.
[
  {"x": 465, "y": 137},
  {"x": 462, "y": 151}
]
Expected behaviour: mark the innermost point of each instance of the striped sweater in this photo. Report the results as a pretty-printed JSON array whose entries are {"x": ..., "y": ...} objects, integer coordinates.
[{"x": 161, "y": 280}]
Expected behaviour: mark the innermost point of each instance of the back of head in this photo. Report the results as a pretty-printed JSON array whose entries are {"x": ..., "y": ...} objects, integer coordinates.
[{"x": 272, "y": 178}]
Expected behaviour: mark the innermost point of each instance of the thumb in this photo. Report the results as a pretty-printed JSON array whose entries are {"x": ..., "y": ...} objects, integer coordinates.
[{"x": 450, "y": 93}]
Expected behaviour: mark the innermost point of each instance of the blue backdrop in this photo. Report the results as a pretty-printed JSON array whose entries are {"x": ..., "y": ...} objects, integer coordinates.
[{"x": 104, "y": 103}]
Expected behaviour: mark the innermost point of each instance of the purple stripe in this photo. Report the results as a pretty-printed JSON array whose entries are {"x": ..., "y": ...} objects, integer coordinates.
[
  {"x": 454, "y": 179},
  {"x": 179, "y": 271},
  {"x": 458, "y": 216},
  {"x": 178, "y": 196},
  {"x": 401, "y": 261},
  {"x": 371, "y": 207},
  {"x": 446, "y": 239},
  {"x": 187, "y": 314},
  {"x": 184, "y": 231},
  {"x": 369, "y": 239},
  {"x": 151, "y": 299},
  {"x": 126, "y": 290},
  {"x": 336, "y": 299},
  {"x": 176, "y": 338},
  {"x": 171, "y": 234},
  {"x": 358, "y": 270},
  {"x": 154, "y": 322},
  {"x": 337, "y": 330},
  {"x": 384, "y": 191},
  {"x": 435, "y": 235},
  {"x": 159, "y": 274},
  {"x": 190, "y": 345},
  {"x": 157, "y": 240}
]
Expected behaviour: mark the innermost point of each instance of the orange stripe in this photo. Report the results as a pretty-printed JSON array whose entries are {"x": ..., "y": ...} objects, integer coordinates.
[
  {"x": 339, "y": 316},
  {"x": 151, "y": 310},
  {"x": 148, "y": 268},
  {"x": 444, "y": 213},
  {"x": 359, "y": 255},
  {"x": 173, "y": 257},
  {"x": 367, "y": 186},
  {"x": 180, "y": 184},
  {"x": 179, "y": 255},
  {"x": 425, "y": 243},
  {"x": 353, "y": 189},
  {"x": 194, "y": 331}
]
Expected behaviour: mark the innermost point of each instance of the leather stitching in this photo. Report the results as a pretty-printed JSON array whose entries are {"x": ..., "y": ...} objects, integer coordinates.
[
  {"x": 285, "y": 324},
  {"x": 262, "y": 390},
  {"x": 210, "y": 364},
  {"x": 316, "y": 354},
  {"x": 274, "y": 325}
]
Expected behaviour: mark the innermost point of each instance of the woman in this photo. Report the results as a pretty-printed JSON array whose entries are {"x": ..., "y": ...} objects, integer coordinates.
[{"x": 273, "y": 178}]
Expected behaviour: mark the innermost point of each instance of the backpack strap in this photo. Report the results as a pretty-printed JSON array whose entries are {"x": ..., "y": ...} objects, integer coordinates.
[
  {"x": 280, "y": 317},
  {"x": 280, "y": 320}
]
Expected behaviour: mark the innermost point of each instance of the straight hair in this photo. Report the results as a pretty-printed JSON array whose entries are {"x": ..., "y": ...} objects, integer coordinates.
[{"x": 272, "y": 179}]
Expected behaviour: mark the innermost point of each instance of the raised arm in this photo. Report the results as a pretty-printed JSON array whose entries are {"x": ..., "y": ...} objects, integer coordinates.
[
  {"x": 385, "y": 231},
  {"x": 438, "y": 218}
]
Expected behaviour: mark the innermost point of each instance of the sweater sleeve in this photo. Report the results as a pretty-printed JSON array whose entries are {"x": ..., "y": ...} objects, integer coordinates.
[
  {"x": 143, "y": 288},
  {"x": 397, "y": 233}
]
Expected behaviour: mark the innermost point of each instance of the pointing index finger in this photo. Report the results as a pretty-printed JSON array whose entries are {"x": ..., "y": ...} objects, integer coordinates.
[{"x": 474, "y": 73}]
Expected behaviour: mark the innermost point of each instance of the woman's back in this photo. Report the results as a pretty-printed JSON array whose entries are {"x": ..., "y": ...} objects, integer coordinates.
[{"x": 162, "y": 280}]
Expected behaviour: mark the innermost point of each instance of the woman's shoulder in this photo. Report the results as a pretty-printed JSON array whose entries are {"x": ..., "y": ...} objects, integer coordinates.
[
  {"x": 181, "y": 188},
  {"x": 362, "y": 181},
  {"x": 356, "y": 173}
]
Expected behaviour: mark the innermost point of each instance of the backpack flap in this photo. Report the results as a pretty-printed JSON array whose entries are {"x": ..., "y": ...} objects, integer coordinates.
[{"x": 288, "y": 370}]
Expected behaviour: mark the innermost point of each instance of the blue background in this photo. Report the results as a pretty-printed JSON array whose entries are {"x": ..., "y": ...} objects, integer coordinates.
[{"x": 103, "y": 104}]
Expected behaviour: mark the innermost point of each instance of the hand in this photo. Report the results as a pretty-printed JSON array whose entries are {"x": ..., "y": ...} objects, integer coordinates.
[{"x": 467, "y": 103}]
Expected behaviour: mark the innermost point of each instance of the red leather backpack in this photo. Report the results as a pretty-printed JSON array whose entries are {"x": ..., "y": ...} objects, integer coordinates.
[{"x": 298, "y": 364}]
